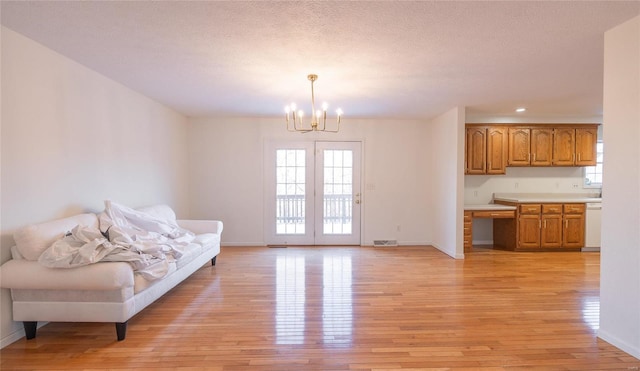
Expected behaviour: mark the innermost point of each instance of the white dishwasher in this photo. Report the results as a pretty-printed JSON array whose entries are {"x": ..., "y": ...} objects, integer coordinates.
[{"x": 592, "y": 238}]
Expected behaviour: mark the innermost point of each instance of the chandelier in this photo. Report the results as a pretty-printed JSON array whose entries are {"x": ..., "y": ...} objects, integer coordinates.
[{"x": 318, "y": 118}]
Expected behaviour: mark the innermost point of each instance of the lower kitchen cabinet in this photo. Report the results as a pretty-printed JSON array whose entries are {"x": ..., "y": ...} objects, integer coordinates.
[
  {"x": 468, "y": 243},
  {"x": 529, "y": 226},
  {"x": 551, "y": 226},
  {"x": 574, "y": 229},
  {"x": 542, "y": 227},
  {"x": 551, "y": 232}
]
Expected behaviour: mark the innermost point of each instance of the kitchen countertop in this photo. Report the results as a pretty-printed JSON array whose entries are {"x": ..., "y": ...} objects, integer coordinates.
[
  {"x": 546, "y": 197},
  {"x": 487, "y": 207}
]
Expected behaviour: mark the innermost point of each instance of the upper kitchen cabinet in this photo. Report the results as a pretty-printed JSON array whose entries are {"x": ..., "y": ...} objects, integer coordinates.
[
  {"x": 586, "y": 141},
  {"x": 491, "y": 148},
  {"x": 519, "y": 147},
  {"x": 574, "y": 146},
  {"x": 541, "y": 147},
  {"x": 496, "y": 150},
  {"x": 530, "y": 146},
  {"x": 564, "y": 146},
  {"x": 486, "y": 150},
  {"x": 476, "y": 150}
]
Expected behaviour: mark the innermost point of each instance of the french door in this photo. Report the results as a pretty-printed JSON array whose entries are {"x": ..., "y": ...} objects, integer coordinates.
[{"x": 313, "y": 193}]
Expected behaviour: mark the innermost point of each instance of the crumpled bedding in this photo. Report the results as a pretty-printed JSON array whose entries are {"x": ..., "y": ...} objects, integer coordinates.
[{"x": 146, "y": 242}]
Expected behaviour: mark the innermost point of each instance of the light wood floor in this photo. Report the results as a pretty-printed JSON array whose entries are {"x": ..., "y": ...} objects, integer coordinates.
[{"x": 353, "y": 308}]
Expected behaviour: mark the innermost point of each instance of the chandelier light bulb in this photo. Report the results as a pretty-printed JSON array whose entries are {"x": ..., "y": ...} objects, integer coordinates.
[
  {"x": 300, "y": 113},
  {"x": 339, "y": 112},
  {"x": 325, "y": 106},
  {"x": 293, "y": 106},
  {"x": 287, "y": 109}
]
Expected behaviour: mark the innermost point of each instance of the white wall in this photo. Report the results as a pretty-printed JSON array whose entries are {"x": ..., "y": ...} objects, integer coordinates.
[
  {"x": 620, "y": 251},
  {"x": 226, "y": 174},
  {"x": 479, "y": 189},
  {"x": 72, "y": 138},
  {"x": 447, "y": 203}
]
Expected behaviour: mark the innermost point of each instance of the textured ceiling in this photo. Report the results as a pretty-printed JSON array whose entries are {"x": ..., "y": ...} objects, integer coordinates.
[{"x": 374, "y": 59}]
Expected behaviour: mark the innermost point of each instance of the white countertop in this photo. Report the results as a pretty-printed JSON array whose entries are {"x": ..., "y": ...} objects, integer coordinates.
[
  {"x": 547, "y": 197},
  {"x": 487, "y": 207}
]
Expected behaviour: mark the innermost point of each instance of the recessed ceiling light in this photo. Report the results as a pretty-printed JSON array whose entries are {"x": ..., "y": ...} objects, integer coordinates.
[{"x": 521, "y": 109}]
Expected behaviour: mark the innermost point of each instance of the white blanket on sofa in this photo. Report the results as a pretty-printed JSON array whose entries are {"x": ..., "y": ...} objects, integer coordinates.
[{"x": 147, "y": 242}]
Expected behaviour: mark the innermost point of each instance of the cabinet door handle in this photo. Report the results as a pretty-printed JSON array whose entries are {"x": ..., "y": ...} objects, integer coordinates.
[
  {"x": 578, "y": 157},
  {"x": 534, "y": 157},
  {"x": 545, "y": 223},
  {"x": 566, "y": 224}
]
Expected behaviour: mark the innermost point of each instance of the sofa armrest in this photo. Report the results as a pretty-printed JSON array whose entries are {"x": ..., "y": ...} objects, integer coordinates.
[
  {"x": 202, "y": 226},
  {"x": 30, "y": 275}
]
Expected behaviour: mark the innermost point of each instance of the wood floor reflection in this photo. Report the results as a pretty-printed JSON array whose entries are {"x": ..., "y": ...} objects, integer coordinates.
[{"x": 353, "y": 308}]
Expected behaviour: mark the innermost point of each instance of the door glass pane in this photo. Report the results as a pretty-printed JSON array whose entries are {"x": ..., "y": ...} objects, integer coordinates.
[
  {"x": 338, "y": 198},
  {"x": 290, "y": 191}
]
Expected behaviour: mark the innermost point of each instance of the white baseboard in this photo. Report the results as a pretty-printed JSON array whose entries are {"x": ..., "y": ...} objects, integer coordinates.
[
  {"x": 249, "y": 244},
  {"x": 16, "y": 335},
  {"x": 455, "y": 255},
  {"x": 634, "y": 350},
  {"x": 413, "y": 243},
  {"x": 591, "y": 249},
  {"x": 12, "y": 338}
]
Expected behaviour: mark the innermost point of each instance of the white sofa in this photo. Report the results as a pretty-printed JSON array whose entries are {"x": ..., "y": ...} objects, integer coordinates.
[{"x": 99, "y": 292}]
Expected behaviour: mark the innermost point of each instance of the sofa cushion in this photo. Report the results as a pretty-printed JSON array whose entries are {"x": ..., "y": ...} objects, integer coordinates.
[
  {"x": 32, "y": 240},
  {"x": 141, "y": 283},
  {"x": 207, "y": 240},
  {"x": 190, "y": 252},
  {"x": 30, "y": 275}
]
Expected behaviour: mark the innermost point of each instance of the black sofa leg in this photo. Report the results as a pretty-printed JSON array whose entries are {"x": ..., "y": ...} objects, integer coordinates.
[
  {"x": 30, "y": 329},
  {"x": 213, "y": 261},
  {"x": 121, "y": 330}
]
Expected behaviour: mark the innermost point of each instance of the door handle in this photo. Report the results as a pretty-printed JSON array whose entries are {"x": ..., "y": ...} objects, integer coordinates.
[{"x": 357, "y": 199}]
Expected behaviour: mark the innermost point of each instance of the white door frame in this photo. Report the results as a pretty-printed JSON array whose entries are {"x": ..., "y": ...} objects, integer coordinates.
[
  {"x": 270, "y": 235},
  {"x": 352, "y": 238}
]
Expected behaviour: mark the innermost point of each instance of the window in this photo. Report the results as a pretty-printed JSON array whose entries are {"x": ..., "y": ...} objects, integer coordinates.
[{"x": 593, "y": 174}]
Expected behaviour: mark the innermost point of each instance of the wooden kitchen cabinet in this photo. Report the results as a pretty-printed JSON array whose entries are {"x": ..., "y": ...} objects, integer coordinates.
[
  {"x": 529, "y": 226},
  {"x": 519, "y": 153},
  {"x": 497, "y": 140},
  {"x": 575, "y": 147},
  {"x": 541, "y": 147},
  {"x": 574, "y": 227},
  {"x": 476, "y": 150},
  {"x": 542, "y": 227},
  {"x": 564, "y": 146},
  {"x": 530, "y": 146},
  {"x": 586, "y": 141},
  {"x": 551, "y": 229},
  {"x": 486, "y": 150},
  {"x": 529, "y": 231},
  {"x": 489, "y": 149},
  {"x": 468, "y": 232}
]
